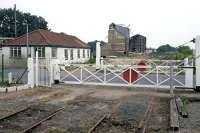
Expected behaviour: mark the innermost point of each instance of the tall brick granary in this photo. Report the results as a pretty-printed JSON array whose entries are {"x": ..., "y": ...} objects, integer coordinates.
[{"x": 118, "y": 38}]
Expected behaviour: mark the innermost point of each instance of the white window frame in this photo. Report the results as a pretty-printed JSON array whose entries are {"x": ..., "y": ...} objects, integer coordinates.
[
  {"x": 83, "y": 53},
  {"x": 78, "y": 54},
  {"x": 41, "y": 52},
  {"x": 88, "y": 53},
  {"x": 15, "y": 52},
  {"x": 66, "y": 54},
  {"x": 71, "y": 54},
  {"x": 54, "y": 52}
]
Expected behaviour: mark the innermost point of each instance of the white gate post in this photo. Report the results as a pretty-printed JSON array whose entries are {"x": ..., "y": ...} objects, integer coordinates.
[
  {"x": 98, "y": 55},
  {"x": 51, "y": 71},
  {"x": 197, "y": 62},
  {"x": 30, "y": 72},
  {"x": 10, "y": 77},
  {"x": 56, "y": 72},
  {"x": 102, "y": 63},
  {"x": 188, "y": 74},
  {"x": 36, "y": 69}
]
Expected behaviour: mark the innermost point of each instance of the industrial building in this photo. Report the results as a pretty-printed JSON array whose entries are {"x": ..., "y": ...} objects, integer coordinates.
[
  {"x": 118, "y": 38},
  {"x": 137, "y": 43}
]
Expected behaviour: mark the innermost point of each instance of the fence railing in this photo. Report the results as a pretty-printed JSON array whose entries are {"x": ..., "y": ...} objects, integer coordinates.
[{"x": 123, "y": 75}]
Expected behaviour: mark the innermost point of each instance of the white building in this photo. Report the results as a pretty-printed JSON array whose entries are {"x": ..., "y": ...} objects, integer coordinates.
[{"x": 65, "y": 48}]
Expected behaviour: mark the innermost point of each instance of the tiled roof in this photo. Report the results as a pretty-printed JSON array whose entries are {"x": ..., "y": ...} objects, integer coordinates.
[{"x": 47, "y": 38}]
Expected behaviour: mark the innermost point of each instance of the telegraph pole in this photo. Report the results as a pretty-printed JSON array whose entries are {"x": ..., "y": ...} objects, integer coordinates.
[
  {"x": 15, "y": 16},
  {"x": 27, "y": 45}
]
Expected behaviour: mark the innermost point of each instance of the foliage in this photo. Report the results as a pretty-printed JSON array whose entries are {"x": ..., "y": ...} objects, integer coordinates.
[
  {"x": 166, "y": 49},
  {"x": 91, "y": 61},
  {"x": 5, "y": 84},
  {"x": 185, "y": 100},
  {"x": 7, "y": 25},
  {"x": 92, "y": 45},
  {"x": 169, "y": 52},
  {"x": 183, "y": 52}
]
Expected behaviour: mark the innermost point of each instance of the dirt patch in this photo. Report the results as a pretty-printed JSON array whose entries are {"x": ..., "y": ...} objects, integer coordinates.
[
  {"x": 85, "y": 105},
  {"x": 117, "y": 94}
]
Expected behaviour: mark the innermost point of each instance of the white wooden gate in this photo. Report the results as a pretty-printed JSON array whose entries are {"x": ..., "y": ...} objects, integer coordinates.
[{"x": 154, "y": 75}]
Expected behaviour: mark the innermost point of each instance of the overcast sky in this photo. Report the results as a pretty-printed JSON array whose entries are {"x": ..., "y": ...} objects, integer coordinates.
[{"x": 161, "y": 21}]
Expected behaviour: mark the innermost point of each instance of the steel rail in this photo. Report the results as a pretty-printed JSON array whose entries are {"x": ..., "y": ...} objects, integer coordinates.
[
  {"x": 14, "y": 113},
  {"x": 43, "y": 120}
]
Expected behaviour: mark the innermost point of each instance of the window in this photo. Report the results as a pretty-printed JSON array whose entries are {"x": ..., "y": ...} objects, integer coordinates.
[
  {"x": 1, "y": 49},
  {"x": 83, "y": 53},
  {"x": 54, "y": 52},
  {"x": 78, "y": 53},
  {"x": 15, "y": 52},
  {"x": 88, "y": 53},
  {"x": 71, "y": 54},
  {"x": 66, "y": 54},
  {"x": 41, "y": 51}
]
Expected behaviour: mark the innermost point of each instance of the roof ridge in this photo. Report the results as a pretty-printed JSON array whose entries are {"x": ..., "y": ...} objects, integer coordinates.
[{"x": 46, "y": 39}]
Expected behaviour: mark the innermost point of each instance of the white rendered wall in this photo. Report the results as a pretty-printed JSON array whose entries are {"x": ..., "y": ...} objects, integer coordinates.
[
  {"x": 197, "y": 60},
  {"x": 22, "y": 62},
  {"x": 14, "y": 62}
]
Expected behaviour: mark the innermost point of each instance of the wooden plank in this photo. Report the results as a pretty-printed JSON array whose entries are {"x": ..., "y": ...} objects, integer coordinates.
[
  {"x": 179, "y": 105},
  {"x": 181, "y": 109},
  {"x": 174, "y": 123}
]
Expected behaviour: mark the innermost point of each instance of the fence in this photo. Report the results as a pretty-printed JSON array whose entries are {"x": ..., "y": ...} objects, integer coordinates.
[
  {"x": 18, "y": 74},
  {"x": 124, "y": 75}
]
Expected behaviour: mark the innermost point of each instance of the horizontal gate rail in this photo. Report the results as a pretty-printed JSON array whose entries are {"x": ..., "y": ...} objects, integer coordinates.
[{"x": 152, "y": 76}]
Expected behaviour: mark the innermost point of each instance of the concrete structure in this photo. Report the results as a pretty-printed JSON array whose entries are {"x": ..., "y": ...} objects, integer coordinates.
[
  {"x": 98, "y": 55},
  {"x": 118, "y": 38},
  {"x": 188, "y": 74},
  {"x": 59, "y": 46},
  {"x": 137, "y": 43},
  {"x": 197, "y": 62}
]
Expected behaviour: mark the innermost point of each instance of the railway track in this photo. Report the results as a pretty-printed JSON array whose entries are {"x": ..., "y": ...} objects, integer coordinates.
[
  {"x": 143, "y": 125},
  {"x": 26, "y": 119}
]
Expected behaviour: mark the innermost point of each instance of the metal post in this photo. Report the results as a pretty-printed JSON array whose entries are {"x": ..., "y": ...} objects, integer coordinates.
[
  {"x": 2, "y": 68},
  {"x": 130, "y": 75}
]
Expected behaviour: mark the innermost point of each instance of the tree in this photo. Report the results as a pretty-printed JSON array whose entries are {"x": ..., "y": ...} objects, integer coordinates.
[
  {"x": 183, "y": 52},
  {"x": 7, "y": 23},
  {"x": 166, "y": 49}
]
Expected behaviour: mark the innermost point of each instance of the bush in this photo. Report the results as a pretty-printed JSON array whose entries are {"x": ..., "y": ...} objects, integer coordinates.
[
  {"x": 91, "y": 60},
  {"x": 185, "y": 100},
  {"x": 5, "y": 84}
]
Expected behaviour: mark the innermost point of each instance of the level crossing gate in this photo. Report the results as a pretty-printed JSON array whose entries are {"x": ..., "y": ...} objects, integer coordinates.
[{"x": 153, "y": 74}]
